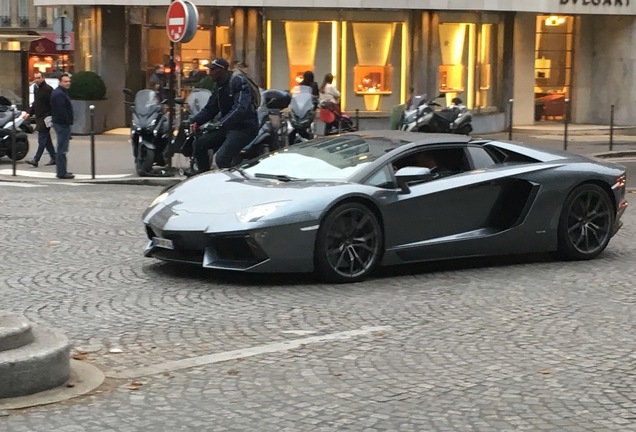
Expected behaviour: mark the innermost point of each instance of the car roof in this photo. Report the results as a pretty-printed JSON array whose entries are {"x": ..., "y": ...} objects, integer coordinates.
[{"x": 403, "y": 137}]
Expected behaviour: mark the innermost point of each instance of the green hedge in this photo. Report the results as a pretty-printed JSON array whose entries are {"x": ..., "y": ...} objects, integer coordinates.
[{"x": 87, "y": 85}]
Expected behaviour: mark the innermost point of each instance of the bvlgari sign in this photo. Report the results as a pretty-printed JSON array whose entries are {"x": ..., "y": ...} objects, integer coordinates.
[{"x": 596, "y": 2}]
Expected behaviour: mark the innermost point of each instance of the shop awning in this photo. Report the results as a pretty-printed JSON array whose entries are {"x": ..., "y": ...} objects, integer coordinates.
[{"x": 45, "y": 45}]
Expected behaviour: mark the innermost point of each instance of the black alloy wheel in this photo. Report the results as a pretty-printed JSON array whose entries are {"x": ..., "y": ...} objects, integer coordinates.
[
  {"x": 586, "y": 223},
  {"x": 349, "y": 244}
]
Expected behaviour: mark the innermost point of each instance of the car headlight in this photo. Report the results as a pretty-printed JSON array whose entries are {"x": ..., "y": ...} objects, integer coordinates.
[
  {"x": 254, "y": 213},
  {"x": 160, "y": 198}
]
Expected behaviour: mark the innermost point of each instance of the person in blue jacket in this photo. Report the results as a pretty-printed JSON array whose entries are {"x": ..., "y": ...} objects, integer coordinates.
[
  {"x": 232, "y": 100},
  {"x": 62, "y": 113}
]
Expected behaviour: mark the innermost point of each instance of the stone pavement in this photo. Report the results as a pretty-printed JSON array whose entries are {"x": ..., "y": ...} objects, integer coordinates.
[
  {"x": 114, "y": 160},
  {"x": 504, "y": 344}
]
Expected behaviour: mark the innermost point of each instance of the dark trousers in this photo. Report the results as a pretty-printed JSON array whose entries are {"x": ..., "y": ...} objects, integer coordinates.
[
  {"x": 226, "y": 144},
  {"x": 63, "y": 133},
  {"x": 44, "y": 142}
]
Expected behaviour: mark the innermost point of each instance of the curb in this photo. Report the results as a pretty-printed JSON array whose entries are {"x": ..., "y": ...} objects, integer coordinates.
[
  {"x": 135, "y": 181},
  {"x": 615, "y": 154}
]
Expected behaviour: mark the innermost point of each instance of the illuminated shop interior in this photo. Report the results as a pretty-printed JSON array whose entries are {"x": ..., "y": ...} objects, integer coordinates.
[
  {"x": 552, "y": 65},
  {"x": 468, "y": 53},
  {"x": 358, "y": 54}
]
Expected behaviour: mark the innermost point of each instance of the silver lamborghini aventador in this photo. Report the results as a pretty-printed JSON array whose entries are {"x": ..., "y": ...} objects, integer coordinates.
[{"x": 343, "y": 205}]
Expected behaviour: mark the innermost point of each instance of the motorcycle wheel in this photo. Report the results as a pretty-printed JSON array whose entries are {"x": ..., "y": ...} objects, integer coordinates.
[
  {"x": 22, "y": 149},
  {"x": 465, "y": 130},
  {"x": 144, "y": 161}
]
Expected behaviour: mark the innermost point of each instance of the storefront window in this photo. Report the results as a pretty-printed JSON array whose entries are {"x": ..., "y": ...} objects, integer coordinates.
[
  {"x": 366, "y": 53},
  {"x": 552, "y": 65},
  {"x": 468, "y": 51},
  {"x": 86, "y": 20}
]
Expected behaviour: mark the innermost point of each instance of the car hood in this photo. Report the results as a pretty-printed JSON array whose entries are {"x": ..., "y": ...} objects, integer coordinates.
[{"x": 224, "y": 192}]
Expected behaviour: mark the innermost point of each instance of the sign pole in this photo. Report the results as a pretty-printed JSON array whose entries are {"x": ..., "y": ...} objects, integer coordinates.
[{"x": 182, "y": 19}]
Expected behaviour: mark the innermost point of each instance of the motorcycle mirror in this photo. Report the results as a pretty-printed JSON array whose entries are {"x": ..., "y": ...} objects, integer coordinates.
[
  {"x": 128, "y": 92},
  {"x": 179, "y": 101}
]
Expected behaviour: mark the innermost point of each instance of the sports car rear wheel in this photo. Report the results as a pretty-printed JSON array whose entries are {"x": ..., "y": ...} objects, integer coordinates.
[
  {"x": 349, "y": 244},
  {"x": 586, "y": 223}
]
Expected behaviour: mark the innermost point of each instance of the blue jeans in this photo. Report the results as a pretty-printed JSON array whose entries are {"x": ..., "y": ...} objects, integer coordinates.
[
  {"x": 63, "y": 133},
  {"x": 226, "y": 144},
  {"x": 44, "y": 142}
]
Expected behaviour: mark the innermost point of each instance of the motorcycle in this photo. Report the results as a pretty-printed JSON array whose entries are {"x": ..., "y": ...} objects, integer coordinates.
[
  {"x": 183, "y": 141},
  {"x": 422, "y": 115},
  {"x": 272, "y": 132},
  {"x": 8, "y": 115},
  {"x": 301, "y": 116},
  {"x": 149, "y": 134}
]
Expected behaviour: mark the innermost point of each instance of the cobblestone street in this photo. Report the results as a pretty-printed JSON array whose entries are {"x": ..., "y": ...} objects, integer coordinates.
[{"x": 504, "y": 344}]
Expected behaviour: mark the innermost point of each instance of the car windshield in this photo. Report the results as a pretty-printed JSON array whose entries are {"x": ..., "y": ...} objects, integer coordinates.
[{"x": 335, "y": 158}]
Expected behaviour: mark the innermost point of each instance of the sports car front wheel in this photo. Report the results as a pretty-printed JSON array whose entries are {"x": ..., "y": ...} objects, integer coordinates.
[
  {"x": 349, "y": 244},
  {"x": 585, "y": 226}
]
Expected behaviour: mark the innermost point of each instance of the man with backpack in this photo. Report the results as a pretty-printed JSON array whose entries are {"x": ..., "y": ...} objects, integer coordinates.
[{"x": 234, "y": 101}]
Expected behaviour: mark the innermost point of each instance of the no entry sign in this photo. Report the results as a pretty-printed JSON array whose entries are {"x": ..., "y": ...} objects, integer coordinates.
[{"x": 181, "y": 21}]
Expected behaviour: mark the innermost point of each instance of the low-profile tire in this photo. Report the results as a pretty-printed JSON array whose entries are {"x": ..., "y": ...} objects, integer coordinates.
[
  {"x": 21, "y": 147},
  {"x": 145, "y": 159},
  {"x": 349, "y": 244},
  {"x": 586, "y": 223}
]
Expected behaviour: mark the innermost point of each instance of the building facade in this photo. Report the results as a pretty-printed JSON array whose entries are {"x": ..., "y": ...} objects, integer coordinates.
[
  {"x": 486, "y": 52},
  {"x": 27, "y": 44}
]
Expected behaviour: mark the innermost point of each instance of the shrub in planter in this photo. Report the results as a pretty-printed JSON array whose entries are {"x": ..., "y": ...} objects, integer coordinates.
[
  {"x": 88, "y": 88},
  {"x": 87, "y": 85}
]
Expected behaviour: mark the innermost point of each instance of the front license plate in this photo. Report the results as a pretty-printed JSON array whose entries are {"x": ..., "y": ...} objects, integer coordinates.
[{"x": 162, "y": 243}]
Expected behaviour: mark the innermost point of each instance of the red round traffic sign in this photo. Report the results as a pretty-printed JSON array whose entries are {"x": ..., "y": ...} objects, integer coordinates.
[{"x": 180, "y": 22}]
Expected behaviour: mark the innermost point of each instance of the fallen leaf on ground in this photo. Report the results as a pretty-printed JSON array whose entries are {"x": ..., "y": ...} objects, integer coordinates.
[
  {"x": 232, "y": 372},
  {"x": 545, "y": 372},
  {"x": 379, "y": 334},
  {"x": 134, "y": 385},
  {"x": 80, "y": 356}
]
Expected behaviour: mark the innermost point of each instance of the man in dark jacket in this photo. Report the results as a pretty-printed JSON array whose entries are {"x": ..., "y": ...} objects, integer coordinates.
[
  {"x": 41, "y": 108},
  {"x": 237, "y": 126},
  {"x": 62, "y": 112}
]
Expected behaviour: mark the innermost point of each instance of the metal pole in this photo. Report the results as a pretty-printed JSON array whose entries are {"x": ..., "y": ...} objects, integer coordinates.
[
  {"x": 92, "y": 114},
  {"x": 357, "y": 119},
  {"x": 566, "y": 119},
  {"x": 611, "y": 143},
  {"x": 510, "y": 107},
  {"x": 171, "y": 97},
  {"x": 13, "y": 143}
]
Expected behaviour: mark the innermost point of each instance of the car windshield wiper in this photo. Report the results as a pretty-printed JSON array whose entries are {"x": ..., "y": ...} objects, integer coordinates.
[
  {"x": 242, "y": 172},
  {"x": 279, "y": 177}
]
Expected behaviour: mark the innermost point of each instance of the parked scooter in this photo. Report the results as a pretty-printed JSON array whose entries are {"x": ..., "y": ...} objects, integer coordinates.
[
  {"x": 8, "y": 114},
  {"x": 335, "y": 121},
  {"x": 302, "y": 112},
  {"x": 422, "y": 115},
  {"x": 272, "y": 132},
  {"x": 149, "y": 134}
]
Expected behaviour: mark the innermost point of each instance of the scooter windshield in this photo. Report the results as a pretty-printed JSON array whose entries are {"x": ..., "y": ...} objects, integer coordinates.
[
  {"x": 146, "y": 102},
  {"x": 301, "y": 104},
  {"x": 197, "y": 99}
]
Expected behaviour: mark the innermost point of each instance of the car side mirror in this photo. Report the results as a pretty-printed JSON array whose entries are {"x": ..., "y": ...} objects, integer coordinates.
[
  {"x": 411, "y": 174},
  {"x": 179, "y": 101}
]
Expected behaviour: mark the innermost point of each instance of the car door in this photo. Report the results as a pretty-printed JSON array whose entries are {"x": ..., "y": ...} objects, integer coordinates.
[{"x": 446, "y": 209}]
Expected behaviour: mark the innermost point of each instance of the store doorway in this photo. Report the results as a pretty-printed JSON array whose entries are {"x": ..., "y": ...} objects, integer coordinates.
[{"x": 553, "y": 66}]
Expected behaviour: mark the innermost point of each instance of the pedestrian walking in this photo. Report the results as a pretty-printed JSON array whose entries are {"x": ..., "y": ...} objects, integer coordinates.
[
  {"x": 62, "y": 113},
  {"x": 41, "y": 109}
]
